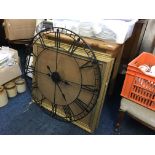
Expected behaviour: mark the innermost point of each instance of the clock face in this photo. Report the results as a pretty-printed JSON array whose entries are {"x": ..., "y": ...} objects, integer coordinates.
[{"x": 66, "y": 76}]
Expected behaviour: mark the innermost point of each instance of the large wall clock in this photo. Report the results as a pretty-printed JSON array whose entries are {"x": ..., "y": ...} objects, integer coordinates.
[{"x": 66, "y": 78}]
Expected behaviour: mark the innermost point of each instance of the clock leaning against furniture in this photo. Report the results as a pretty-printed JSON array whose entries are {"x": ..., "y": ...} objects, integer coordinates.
[{"x": 66, "y": 76}]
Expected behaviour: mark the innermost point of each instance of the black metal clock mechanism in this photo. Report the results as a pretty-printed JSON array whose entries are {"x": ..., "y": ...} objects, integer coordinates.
[{"x": 65, "y": 73}]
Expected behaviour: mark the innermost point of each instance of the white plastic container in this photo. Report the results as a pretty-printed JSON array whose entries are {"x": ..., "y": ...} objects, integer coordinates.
[
  {"x": 11, "y": 89},
  {"x": 3, "y": 97},
  {"x": 20, "y": 84}
]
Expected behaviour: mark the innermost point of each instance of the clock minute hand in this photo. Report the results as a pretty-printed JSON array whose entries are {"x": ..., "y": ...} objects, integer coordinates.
[
  {"x": 61, "y": 92},
  {"x": 65, "y": 82},
  {"x": 69, "y": 82}
]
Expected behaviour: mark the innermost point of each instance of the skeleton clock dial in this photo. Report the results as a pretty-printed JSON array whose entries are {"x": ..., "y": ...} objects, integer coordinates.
[{"x": 66, "y": 75}]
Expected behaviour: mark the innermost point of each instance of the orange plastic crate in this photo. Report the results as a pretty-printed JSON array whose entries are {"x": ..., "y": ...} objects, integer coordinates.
[{"x": 138, "y": 86}]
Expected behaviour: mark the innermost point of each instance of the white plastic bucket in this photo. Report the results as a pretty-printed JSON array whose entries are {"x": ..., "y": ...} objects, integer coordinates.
[
  {"x": 20, "y": 84},
  {"x": 3, "y": 97},
  {"x": 11, "y": 89}
]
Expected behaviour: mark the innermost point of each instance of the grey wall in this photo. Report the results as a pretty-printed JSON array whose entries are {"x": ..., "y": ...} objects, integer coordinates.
[{"x": 148, "y": 41}]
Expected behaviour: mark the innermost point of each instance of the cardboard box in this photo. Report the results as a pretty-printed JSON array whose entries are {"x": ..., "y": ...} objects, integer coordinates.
[
  {"x": 8, "y": 73},
  {"x": 16, "y": 29}
]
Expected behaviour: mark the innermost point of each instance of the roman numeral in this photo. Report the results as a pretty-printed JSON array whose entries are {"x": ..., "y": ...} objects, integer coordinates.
[
  {"x": 54, "y": 108},
  {"x": 90, "y": 88},
  {"x": 68, "y": 112},
  {"x": 86, "y": 65},
  {"x": 81, "y": 104},
  {"x": 74, "y": 46},
  {"x": 34, "y": 85},
  {"x": 57, "y": 39},
  {"x": 41, "y": 100},
  {"x": 41, "y": 40}
]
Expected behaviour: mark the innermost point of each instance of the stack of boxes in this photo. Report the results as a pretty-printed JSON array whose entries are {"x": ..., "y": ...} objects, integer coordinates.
[
  {"x": 15, "y": 30},
  {"x": 9, "y": 70}
]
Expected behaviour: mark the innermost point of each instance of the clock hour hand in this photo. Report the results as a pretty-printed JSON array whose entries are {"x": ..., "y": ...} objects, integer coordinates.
[
  {"x": 61, "y": 92},
  {"x": 49, "y": 69},
  {"x": 49, "y": 74},
  {"x": 69, "y": 82}
]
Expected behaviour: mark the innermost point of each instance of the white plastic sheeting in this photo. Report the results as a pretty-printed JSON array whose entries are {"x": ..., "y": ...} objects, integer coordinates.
[
  {"x": 7, "y": 57},
  {"x": 105, "y": 29}
]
